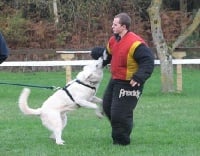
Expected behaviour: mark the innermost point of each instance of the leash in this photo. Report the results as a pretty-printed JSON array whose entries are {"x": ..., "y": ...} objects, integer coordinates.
[{"x": 28, "y": 85}]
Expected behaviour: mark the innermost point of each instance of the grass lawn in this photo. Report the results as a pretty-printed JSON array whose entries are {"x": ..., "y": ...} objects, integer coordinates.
[{"x": 165, "y": 124}]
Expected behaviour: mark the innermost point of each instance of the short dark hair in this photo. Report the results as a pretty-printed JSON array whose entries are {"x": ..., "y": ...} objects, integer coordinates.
[{"x": 124, "y": 19}]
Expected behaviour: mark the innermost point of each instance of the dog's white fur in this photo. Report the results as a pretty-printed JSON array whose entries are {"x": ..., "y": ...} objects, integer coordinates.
[{"x": 53, "y": 111}]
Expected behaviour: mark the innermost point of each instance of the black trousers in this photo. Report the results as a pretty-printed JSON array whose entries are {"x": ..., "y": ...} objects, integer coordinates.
[{"x": 119, "y": 101}]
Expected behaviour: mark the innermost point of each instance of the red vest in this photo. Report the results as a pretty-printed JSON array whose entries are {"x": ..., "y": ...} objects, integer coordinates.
[{"x": 123, "y": 65}]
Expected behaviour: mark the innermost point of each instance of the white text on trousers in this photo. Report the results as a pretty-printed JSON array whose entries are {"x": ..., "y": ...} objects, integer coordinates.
[{"x": 124, "y": 92}]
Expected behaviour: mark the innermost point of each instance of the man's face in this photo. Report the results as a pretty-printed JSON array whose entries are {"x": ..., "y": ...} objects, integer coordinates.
[{"x": 117, "y": 28}]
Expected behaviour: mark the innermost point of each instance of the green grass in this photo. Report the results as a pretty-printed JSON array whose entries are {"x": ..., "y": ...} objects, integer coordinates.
[{"x": 165, "y": 124}]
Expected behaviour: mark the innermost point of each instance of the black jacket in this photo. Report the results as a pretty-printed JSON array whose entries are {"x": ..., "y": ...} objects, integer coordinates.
[
  {"x": 3, "y": 49},
  {"x": 145, "y": 59}
]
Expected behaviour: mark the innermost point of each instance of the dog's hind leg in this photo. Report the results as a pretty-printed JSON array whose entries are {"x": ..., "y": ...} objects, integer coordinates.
[
  {"x": 52, "y": 120},
  {"x": 64, "y": 120},
  {"x": 58, "y": 134},
  {"x": 64, "y": 123}
]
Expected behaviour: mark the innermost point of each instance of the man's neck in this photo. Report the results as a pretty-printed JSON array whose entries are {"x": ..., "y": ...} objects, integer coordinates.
[{"x": 123, "y": 33}]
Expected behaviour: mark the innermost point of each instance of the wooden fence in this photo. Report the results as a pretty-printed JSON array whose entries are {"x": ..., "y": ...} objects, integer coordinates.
[{"x": 51, "y": 59}]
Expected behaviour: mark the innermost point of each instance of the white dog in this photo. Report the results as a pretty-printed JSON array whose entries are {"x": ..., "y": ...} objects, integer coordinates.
[{"x": 77, "y": 93}]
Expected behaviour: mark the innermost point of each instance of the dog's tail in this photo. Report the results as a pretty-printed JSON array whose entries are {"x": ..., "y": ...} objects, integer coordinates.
[{"x": 23, "y": 103}]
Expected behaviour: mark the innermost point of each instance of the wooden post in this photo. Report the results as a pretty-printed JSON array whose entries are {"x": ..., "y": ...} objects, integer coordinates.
[
  {"x": 68, "y": 68},
  {"x": 69, "y": 55},
  {"x": 179, "y": 55}
]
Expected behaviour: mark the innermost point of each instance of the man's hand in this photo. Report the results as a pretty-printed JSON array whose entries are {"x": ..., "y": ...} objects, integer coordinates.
[{"x": 133, "y": 83}]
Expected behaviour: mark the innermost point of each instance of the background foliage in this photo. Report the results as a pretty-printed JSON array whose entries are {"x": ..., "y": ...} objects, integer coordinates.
[{"x": 30, "y": 24}]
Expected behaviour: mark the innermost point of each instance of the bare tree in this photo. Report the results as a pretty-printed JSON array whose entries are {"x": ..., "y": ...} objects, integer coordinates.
[
  {"x": 165, "y": 51},
  {"x": 161, "y": 47}
]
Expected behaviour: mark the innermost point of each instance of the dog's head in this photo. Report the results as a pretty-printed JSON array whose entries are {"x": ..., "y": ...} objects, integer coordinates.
[
  {"x": 92, "y": 73},
  {"x": 95, "y": 65},
  {"x": 101, "y": 52},
  {"x": 97, "y": 52}
]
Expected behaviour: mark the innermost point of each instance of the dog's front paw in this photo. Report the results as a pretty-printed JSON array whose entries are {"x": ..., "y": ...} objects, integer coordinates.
[{"x": 99, "y": 113}]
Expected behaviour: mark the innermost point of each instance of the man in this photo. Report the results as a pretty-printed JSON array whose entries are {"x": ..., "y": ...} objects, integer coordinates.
[
  {"x": 131, "y": 63},
  {"x": 3, "y": 49}
]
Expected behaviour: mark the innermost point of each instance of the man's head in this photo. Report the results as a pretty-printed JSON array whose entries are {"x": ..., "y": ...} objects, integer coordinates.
[{"x": 121, "y": 24}]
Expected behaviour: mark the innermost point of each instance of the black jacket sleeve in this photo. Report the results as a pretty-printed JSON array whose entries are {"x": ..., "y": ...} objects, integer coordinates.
[
  {"x": 3, "y": 49},
  {"x": 106, "y": 58},
  {"x": 145, "y": 59}
]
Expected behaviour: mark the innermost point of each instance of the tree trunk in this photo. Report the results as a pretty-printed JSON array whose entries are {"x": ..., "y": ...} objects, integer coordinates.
[
  {"x": 161, "y": 47},
  {"x": 183, "y": 5},
  {"x": 55, "y": 11}
]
